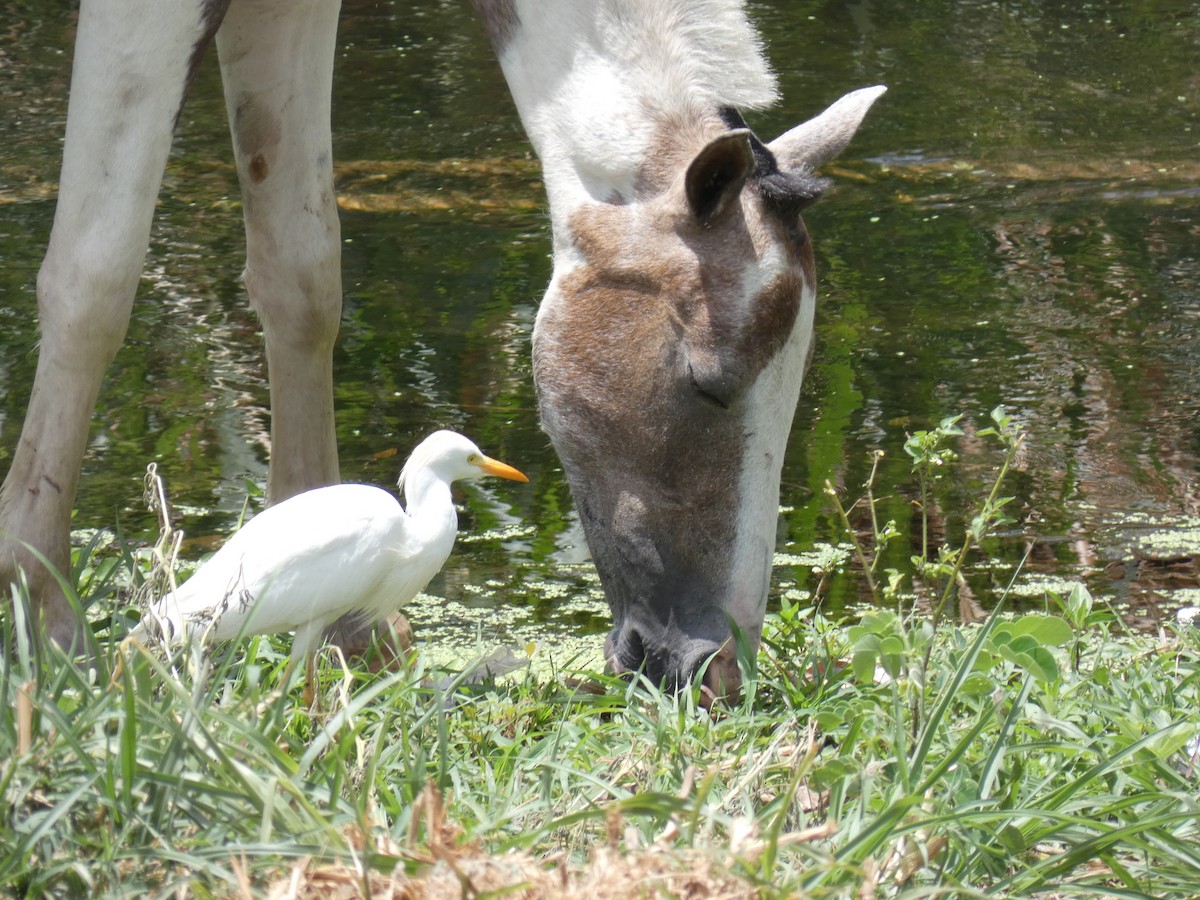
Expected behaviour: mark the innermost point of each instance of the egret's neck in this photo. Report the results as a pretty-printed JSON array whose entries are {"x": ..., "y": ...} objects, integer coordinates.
[{"x": 428, "y": 497}]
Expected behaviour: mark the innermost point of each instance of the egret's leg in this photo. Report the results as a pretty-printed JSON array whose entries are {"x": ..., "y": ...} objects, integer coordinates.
[
  {"x": 310, "y": 679},
  {"x": 277, "y": 66},
  {"x": 304, "y": 647}
]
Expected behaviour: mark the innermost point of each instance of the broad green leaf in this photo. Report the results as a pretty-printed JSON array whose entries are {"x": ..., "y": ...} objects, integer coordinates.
[
  {"x": 829, "y": 719},
  {"x": 892, "y": 645},
  {"x": 977, "y": 685},
  {"x": 1050, "y": 631},
  {"x": 863, "y": 663},
  {"x": 868, "y": 643},
  {"x": 1041, "y": 663}
]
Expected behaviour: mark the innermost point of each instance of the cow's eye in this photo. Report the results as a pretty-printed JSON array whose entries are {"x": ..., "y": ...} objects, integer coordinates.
[{"x": 711, "y": 390}]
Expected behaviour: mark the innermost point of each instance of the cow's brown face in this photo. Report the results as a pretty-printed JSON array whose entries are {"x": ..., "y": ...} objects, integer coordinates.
[{"x": 668, "y": 357}]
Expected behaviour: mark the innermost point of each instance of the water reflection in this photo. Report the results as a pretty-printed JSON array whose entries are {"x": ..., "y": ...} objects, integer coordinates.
[{"x": 1015, "y": 224}]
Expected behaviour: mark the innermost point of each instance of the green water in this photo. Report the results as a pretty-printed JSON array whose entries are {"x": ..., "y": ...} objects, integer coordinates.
[{"x": 1015, "y": 223}]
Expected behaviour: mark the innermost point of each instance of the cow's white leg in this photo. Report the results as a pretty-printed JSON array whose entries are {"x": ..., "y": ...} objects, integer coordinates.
[
  {"x": 132, "y": 62},
  {"x": 277, "y": 65}
]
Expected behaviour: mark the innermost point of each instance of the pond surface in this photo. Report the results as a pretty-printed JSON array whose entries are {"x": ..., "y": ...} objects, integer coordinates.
[{"x": 1017, "y": 222}]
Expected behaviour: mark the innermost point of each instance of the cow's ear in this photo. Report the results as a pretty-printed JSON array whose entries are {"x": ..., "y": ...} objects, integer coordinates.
[
  {"x": 822, "y": 138},
  {"x": 718, "y": 173}
]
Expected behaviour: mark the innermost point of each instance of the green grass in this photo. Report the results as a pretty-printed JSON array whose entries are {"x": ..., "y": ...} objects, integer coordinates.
[
  {"x": 201, "y": 772},
  {"x": 1049, "y": 753}
]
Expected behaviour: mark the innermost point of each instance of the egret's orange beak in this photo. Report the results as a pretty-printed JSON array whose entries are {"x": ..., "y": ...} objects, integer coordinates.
[{"x": 500, "y": 470}]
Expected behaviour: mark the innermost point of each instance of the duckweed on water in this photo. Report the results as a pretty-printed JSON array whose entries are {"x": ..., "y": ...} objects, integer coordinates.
[
  {"x": 821, "y": 557},
  {"x": 544, "y": 654},
  {"x": 1177, "y": 542},
  {"x": 796, "y": 595},
  {"x": 452, "y": 633},
  {"x": 1181, "y": 597},
  {"x": 1037, "y": 586},
  {"x": 511, "y": 532}
]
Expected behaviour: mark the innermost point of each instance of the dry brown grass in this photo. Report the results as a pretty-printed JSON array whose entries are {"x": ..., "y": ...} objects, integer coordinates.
[
  {"x": 608, "y": 875},
  {"x": 444, "y": 868}
]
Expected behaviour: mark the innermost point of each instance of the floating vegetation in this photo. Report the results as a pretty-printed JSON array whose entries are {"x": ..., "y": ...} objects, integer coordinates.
[
  {"x": 453, "y": 633},
  {"x": 512, "y": 532},
  {"x": 1185, "y": 596},
  {"x": 1178, "y": 542},
  {"x": 822, "y": 557},
  {"x": 1038, "y": 585},
  {"x": 549, "y": 589},
  {"x": 552, "y": 653}
]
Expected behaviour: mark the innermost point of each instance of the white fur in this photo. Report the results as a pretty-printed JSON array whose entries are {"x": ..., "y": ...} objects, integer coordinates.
[
  {"x": 277, "y": 59},
  {"x": 594, "y": 81},
  {"x": 771, "y": 404}
]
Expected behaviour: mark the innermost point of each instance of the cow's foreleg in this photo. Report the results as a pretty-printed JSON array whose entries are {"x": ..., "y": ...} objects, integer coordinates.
[
  {"x": 132, "y": 62},
  {"x": 277, "y": 64}
]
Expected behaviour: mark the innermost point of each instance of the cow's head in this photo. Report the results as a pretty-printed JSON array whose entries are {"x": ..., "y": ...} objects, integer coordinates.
[{"x": 668, "y": 356}]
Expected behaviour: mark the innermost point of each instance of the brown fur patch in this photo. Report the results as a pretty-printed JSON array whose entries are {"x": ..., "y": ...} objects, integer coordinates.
[
  {"x": 258, "y": 168},
  {"x": 684, "y": 271}
]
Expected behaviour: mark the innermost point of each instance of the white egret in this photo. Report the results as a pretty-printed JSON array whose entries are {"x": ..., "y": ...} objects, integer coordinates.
[{"x": 345, "y": 549}]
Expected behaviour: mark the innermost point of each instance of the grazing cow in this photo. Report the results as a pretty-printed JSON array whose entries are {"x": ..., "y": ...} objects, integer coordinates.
[{"x": 668, "y": 351}]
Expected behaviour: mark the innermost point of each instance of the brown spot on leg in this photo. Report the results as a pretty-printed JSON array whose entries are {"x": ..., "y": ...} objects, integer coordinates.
[{"x": 258, "y": 168}]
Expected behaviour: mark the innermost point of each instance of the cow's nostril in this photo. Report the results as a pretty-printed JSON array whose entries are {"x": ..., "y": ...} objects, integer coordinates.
[
  {"x": 722, "y": 678},
  {"x": 624, "y": 651},
  {"x": 627, "y": 651}
]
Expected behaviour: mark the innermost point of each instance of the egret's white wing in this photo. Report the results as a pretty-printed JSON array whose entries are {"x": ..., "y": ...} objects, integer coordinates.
[{"x": 313, "y": 557}]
